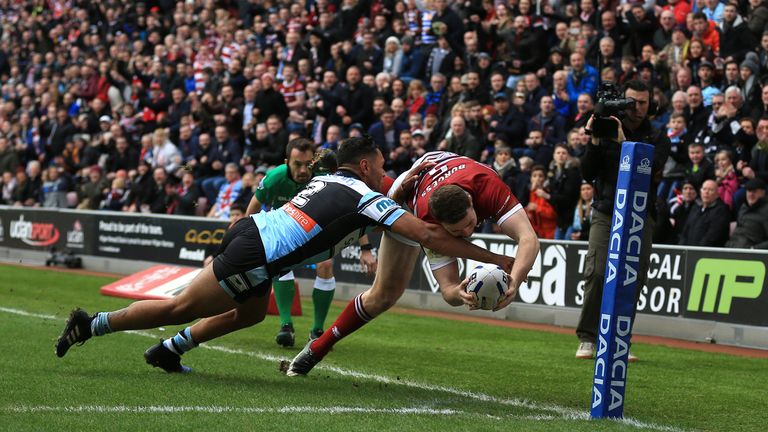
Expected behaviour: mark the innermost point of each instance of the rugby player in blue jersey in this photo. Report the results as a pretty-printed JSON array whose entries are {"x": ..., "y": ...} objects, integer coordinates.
[{"x": 328, "y": 215}]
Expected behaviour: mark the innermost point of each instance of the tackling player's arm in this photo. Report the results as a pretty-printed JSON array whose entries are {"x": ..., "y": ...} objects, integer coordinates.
[
  {"x": 436, "y": 238},
  {"x": 402, "y": 187},
  {"x": 367, "y": 260}
]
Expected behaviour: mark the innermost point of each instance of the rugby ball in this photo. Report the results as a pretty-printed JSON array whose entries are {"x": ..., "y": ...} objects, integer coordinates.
[{"x": 488, "y": 283}]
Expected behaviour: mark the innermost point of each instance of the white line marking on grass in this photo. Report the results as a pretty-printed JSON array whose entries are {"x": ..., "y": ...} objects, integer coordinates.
[
  {"x": 25, "y": 313},
  {"x": 562, "y": 412},
  {"x": 23, "y": 409}
]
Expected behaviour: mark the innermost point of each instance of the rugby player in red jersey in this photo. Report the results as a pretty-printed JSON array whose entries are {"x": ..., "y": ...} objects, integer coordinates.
[{"x": 458, "y": 193}]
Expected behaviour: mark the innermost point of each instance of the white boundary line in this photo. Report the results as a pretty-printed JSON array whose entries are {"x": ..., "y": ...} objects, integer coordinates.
[
  {"x": 561, "y": 412},
  {"x": 213, "y": 409}
]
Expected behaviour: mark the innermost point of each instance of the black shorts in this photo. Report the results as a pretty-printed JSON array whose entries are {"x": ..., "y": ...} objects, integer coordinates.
[{"x": 240, "y": 265}]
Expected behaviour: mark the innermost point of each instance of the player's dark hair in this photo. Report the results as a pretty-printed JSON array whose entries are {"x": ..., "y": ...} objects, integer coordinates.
[
  {"x": 300, "y": 144},
  {"x": 449, "y": 204},
  {"x": 324, "y": 162},
  {"x": 352, "y": 150}
]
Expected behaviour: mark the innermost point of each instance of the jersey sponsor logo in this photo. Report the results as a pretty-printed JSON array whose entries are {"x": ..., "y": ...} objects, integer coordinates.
[
  {"x": 384, "y": 204},
  {"x": 306, "y": 222},
  {"x": 377, "y": 207}
]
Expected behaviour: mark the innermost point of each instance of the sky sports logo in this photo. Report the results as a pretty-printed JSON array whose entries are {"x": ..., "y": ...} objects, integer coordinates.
[{"x": 717, "y": 282}]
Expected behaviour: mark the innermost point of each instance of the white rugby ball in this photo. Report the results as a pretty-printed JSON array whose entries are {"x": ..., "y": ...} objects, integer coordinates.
[{"x": 488, "y": 283}]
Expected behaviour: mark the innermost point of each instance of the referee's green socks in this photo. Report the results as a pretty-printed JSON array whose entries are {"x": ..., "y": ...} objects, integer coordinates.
[
  {"x": 322, "y": 296},
  {"x": 284, "y": 291}
]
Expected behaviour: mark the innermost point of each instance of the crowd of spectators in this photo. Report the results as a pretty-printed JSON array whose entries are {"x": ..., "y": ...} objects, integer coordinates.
[{"x": 181, "y": 107}]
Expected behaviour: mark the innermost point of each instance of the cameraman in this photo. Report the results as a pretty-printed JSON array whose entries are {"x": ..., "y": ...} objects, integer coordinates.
[{"x": 600, "y": 165}]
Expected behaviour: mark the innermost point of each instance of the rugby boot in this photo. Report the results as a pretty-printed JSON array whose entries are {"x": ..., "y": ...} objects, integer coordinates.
[
  {"x": 303, "y": 362},
  {"x": 76, "y": 331},
  {"x": 314, "y": 334},
  {"x": 286, "y": 336},
  {"x": 160, "y": 356}
]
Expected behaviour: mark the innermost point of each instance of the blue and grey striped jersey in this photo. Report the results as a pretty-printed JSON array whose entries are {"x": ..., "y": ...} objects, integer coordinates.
[{"x": 329, "y": 214}]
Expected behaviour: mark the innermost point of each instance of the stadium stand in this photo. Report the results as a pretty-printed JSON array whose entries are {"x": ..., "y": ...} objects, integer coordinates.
[{"x": 139, "y": 106}]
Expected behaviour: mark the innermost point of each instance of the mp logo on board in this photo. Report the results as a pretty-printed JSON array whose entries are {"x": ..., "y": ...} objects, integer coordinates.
[{"x": 718, "y": 282}]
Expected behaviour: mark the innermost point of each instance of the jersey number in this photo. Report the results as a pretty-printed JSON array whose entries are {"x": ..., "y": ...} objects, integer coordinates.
[{"x": 302, "y": 198}]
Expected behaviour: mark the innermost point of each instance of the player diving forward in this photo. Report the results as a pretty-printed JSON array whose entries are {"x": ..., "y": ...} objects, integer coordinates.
[
  {"x": 456, "y": 192},
  {"x": 328, "y": 215},
  {"x": 278, "y": 187}
]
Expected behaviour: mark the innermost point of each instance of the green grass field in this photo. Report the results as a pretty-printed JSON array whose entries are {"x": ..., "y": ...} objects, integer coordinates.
[{"x": 401, "y": 372}]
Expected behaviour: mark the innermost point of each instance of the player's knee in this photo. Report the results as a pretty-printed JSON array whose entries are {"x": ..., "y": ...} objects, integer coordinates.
[
  {"x": 181, "y": 312},
  {"x": 248, "y": 319},
  {"x": 385, "y": 300}
]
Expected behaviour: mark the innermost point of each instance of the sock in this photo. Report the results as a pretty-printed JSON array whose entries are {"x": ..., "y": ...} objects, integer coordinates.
[
  {"x": 322, "y": 296},
  {"x": 181, "y": 343},
  {"x": 284, "y": 291},
  {"x": 100, "y": 324},
  {"x": 352, "y": 318}
]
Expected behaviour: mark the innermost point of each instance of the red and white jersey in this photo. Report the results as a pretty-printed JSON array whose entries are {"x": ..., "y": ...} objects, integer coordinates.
[
  {"x": 491, "y": 197},
  {"x": 291, "y": 91},
  {"x": 200, "y": 63},
  {"x": 228, "y": 51}
]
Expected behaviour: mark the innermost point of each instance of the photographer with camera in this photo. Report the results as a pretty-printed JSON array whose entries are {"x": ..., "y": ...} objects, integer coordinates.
[{"x": 618, "y": 117}]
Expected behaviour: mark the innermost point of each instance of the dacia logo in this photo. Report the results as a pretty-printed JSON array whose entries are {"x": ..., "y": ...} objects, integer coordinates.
[
  {"x": 625, "y": 164},
  {"x": 738, "y": 279},
  {"x": 644, "y": 167}
]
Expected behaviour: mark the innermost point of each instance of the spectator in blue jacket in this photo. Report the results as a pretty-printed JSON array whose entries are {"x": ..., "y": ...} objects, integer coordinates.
[
  {"x": 560, "y": 93},
  {"x": 582, "y": 78},
  {"x": 549, "y": 122},
  {"x": 386, "y": 132}
]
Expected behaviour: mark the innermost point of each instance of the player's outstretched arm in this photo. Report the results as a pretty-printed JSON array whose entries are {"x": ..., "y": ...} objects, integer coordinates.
[
  {"x": 453, "y": 289},
  {"x": 435, "y": 237},
  {"x": 518, "y": 228},
  {"x": 253, "y": 207}
]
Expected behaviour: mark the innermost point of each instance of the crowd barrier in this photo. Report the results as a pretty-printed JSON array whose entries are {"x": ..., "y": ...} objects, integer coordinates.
[{"x": 687, "y": 283}]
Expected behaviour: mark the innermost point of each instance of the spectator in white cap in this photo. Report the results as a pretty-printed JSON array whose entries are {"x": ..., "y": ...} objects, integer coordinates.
[{"x": 393, "y": 56}]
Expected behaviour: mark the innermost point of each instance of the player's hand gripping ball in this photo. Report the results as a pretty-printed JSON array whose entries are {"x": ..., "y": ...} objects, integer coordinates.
[{"x": 488, "y": 283}]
